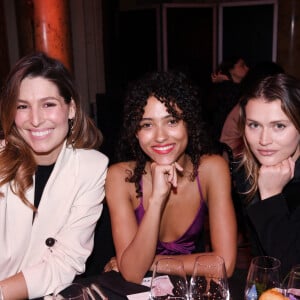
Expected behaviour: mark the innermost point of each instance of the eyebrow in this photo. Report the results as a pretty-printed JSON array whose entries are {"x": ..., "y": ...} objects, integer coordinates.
[
  {"x": 165, "y": 117},
  {"x": 272, "y": 122},
  {"x": 40, "y": 99}
]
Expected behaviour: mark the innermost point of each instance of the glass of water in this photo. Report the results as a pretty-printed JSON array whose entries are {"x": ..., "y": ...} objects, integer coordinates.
[
  {"x": 293, "y": 286},
  {"x": 209, "y": 279}
]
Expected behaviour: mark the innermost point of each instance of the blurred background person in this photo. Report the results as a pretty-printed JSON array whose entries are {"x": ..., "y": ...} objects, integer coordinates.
[
  {"x": 224, "y": 92},
  {"x": 230, "y": 134}
]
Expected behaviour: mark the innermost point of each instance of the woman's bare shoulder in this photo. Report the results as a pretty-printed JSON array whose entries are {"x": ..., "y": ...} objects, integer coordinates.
[
  {"x": 117, "y": 186},
  {"x": 213, "y": 164},
  {"x": 209, "y": 159},
  {"x": 123, "y": 165},
  {"x": 121, "y": 168},
  {"x": 215, "y": 177}
]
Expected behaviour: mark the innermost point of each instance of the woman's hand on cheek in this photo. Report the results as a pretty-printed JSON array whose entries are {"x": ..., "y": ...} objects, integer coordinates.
[{"x": 272, "y": 179}]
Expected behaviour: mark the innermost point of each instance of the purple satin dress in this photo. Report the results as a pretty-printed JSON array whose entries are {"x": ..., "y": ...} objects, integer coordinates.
[{"x": 186, "y": 244}]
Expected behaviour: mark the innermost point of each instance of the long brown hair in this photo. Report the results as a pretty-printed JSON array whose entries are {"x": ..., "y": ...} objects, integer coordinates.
[
  {"x": 16, "y": 160},
  {"x": 277, "y": 87}
]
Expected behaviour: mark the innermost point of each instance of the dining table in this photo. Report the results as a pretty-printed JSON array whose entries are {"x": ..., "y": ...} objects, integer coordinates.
[{"x": 115, "y": 287}]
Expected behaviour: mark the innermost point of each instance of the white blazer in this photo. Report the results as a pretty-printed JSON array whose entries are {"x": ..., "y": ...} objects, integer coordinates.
[{"x": 68, "y": 211}]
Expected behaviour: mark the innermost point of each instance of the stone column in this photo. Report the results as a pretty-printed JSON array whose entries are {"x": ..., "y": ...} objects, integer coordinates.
[
  {"x": 52, "y": 30},
  {"x": 288, "y": 51}
]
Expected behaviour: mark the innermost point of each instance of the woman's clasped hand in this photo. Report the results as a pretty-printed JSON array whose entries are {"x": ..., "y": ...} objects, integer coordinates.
[
  {"x": 272, "y": 179},
  {"x": 164, "y": 178}
]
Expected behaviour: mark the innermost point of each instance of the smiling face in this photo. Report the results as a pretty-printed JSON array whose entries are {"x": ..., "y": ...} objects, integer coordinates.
[
  {"x": 161, "y": 136},
  {"x": 42, "y": 118},
  {"x": 271, "y": 136}
]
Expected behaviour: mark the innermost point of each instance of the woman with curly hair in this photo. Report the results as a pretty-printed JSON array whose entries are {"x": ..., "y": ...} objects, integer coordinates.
[
  {"x": 159, "y": 197},
  {"x": 51, "y": 179}
]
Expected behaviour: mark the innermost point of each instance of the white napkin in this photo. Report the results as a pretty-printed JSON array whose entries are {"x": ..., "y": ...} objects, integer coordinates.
[{"x": 141, "y": 296}]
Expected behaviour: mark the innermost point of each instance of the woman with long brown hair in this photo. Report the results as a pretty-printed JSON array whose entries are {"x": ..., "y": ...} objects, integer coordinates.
[{"x": 51, "y": 179}]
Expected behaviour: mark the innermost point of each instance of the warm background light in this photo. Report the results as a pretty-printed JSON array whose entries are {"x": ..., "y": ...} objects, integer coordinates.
[{"x": 51, "y": 29}]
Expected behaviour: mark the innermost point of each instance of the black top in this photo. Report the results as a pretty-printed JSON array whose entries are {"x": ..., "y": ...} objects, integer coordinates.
[
  {"x": 274, "y": 224},
  {"x": 42, "y": 175}
]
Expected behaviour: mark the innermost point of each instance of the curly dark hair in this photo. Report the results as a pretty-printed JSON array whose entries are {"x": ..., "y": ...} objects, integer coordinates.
[{"x": 173, "y": 89}]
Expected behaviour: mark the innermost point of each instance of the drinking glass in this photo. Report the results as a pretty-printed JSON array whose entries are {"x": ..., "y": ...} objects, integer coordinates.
[
  {"x": 73, "y": 291},
  {"x": 209, "y": 279},
  {"x": 263, "y": 274},
  {"x": 293, "y": 286},
  {"x": 169, "y": 280}
]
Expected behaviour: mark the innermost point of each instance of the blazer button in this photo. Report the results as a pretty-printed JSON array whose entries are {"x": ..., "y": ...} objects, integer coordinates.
[{"x": 50, "y": 242}]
